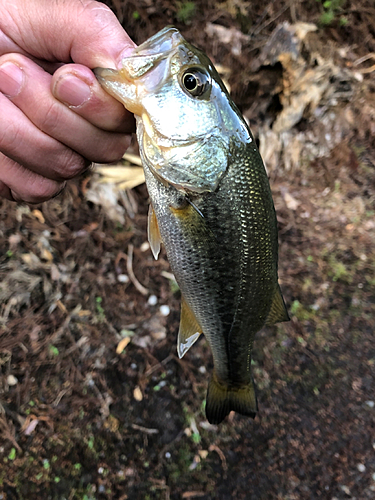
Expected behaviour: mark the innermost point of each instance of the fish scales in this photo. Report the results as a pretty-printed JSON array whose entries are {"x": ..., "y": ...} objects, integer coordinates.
[{"x": 211, "y": 207}]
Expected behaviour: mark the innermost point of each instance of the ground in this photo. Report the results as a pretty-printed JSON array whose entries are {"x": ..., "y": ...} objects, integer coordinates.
[{"x": 95, "y": 403}]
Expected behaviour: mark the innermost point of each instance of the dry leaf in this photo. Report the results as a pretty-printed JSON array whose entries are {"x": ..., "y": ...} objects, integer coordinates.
[
  {"x": 290, "y": 202},
  {"x": 231, "y": 37},
  {"x": 123, "y": 177},
  {"x": 122, "y": 344},
  {"x": 38, "y": 215}
]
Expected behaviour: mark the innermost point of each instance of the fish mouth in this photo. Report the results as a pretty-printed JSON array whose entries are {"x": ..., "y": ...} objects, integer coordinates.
[
  {"x": 163, "y": 41},
  {"x": 151, "y": 52}
]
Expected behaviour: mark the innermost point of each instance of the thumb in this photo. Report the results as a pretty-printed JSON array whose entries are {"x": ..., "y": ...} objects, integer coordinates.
[{"x": 81, "y": 31}]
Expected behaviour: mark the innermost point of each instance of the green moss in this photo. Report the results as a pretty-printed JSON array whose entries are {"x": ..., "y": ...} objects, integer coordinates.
[{"x": 185, "y": 11}]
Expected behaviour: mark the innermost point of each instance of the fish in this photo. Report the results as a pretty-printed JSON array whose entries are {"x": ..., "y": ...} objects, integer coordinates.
[{"x": 210, "y": 206}]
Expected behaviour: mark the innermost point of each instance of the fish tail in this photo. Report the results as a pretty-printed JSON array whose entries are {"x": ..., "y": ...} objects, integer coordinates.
[{"x": 222, "y": 399}]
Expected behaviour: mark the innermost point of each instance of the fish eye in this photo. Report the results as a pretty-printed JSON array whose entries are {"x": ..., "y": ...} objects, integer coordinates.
[{"x": 195, "y": 81}]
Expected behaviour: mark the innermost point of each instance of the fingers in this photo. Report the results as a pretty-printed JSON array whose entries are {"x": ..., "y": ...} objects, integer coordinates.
[
  {"x": 83, "y": 31},
  {"x": 17, "y": 183},
  {"x": 27, "y": 145},
  {"x": 43, "y": 133},
  {"x": 51, "y": 127},
  {"x": 77, "y": 87}
]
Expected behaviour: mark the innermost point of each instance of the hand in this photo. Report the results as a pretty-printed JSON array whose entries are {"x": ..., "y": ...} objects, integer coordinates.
[{"x": 55, "y": 119}]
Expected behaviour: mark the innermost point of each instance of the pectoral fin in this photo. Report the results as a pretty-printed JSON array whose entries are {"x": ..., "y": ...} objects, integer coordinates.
[
  {"x": 153, "y": 233},
  {"x": 222, "y": 399},
  {"x": 189, "y": 329},
  {"x": 278, "y": 310}
]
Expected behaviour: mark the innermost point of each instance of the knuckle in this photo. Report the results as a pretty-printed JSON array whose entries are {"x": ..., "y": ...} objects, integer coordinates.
[
  {"x": 51, "y": 117},
  {"x": 10, "y": 137},
  {"x": 70, "y": 164},
  {"x": 42, "y": 189},
  {"x": 93, "y": 9}
]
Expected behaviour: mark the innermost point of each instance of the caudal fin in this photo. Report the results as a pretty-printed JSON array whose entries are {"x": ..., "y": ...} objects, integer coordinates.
[{"x": 221, "y": 399}]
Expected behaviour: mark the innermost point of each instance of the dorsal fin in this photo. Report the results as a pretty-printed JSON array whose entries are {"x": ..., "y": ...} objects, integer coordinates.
[
  {"x": 189, "y": 330},
  {"x": 153, "y": 233},
  {"x": 278, "y": 310}
]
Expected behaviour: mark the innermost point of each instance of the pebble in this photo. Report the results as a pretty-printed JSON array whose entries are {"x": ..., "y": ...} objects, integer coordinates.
[
  {"x": 370, "y": 404},
  {"x": 152, "y": 300},
  {"x": 12, "y": 380},
  {"x": 145, "y": 246},
  {"x": 123, "y": 278},
  {"x": 167, "y": 455},
  {"x": 361, "y": 467},
  {"x": 165, "y": 310},
  {"x": 137, "y": 393}
]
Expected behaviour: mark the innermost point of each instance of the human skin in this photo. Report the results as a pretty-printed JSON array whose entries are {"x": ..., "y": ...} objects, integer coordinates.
[{"x": 55, "y": 119}]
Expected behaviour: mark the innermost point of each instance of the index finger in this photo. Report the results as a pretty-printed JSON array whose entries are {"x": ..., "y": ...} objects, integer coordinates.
[{"x": 92, "y": 35}]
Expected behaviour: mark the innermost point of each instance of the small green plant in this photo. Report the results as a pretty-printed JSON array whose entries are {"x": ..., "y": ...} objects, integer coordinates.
[
  {"x": 185, "y": 12},
  {"x": 53, "y": 350},
  {"x": 99, "y": 309},
  {"x": 90, "y": 442},
  {"x": 332, "y": 10},
  {"x": 196, "y": 437}
]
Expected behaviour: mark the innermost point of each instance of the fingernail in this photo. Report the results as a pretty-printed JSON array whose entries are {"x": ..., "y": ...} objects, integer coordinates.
[
  {"x": 72, "y": 90},
  {"x": 11, "y": 78}
]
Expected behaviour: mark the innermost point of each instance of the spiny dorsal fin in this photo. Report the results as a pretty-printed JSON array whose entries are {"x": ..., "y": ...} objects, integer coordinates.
[
  {"x": 153, "y": 233},
  {"x": 189, "y": 330},
  {"x": 278, "y": 310}
]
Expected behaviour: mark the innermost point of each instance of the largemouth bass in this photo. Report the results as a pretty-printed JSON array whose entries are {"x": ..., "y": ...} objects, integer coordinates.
[{"x": 211, "y": 206}]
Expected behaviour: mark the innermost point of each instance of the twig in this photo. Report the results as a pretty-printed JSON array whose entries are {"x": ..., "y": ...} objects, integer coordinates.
[
  {"x": 129, "y": 267},
  {"x": 158, "y": 365},
  {"x": 260, "y": 28},
  {"x": 145, "y": 429},
  {"x": 363, "y": 59},
  {"x": 8, "y": 433},
  {"x": 213, "y": 447}
]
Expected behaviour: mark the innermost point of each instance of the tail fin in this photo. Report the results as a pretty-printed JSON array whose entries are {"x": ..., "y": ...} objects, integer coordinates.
[{"x": 221, "y": 399}]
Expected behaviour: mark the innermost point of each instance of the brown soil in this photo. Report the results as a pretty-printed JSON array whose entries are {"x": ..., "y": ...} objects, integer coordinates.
[{"x": 81, "y": 418}]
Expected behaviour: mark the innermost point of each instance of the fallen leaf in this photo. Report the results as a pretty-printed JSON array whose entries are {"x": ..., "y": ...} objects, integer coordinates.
[
  {"x": 291, "y": 202},
  {"x": 38, "y": 215},
  {"x": 122, "y": 344}
]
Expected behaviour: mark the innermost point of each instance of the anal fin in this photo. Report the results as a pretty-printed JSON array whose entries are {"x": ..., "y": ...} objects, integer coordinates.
[
  {"x": 189, "y": 330},
  {"x": 153, "y": 233},
  {"x": 222, "y": 399},
  {"x": 278, "y": 310}
]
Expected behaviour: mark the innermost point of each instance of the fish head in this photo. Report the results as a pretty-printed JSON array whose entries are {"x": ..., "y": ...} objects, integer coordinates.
[{"x": 185, "y": 117}]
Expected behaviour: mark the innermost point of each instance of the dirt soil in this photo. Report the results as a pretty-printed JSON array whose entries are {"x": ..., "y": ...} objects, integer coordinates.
[{"x": 94, "y": 402}]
